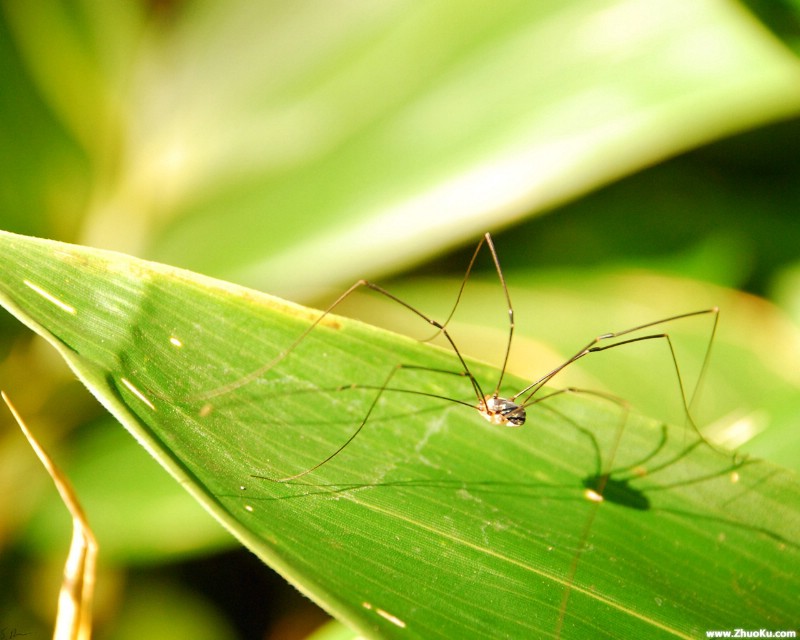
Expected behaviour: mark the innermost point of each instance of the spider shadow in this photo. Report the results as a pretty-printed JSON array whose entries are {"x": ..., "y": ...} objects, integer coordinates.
[{"x": 632, "y": 486}]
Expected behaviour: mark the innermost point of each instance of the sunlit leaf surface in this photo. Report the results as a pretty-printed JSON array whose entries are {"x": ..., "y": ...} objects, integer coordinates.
[{"x": 432, "y": 523}]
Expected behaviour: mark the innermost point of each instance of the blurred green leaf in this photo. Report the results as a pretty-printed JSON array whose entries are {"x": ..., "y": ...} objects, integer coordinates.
[
  {"x": 725, "y": 214},
  {"x": 786, "y": 291},
  {"x": 256, "y": 140},
  {"x": 83, "y": 85},
  {"x": 333, "y": 630},
  {"x": 415, "y": 126},
  {"x": 163, "y": 610},
  {"x": 782, "y": 16},
  {"x": 430, "y": 524},
  {"x": 45, "y": 172}
]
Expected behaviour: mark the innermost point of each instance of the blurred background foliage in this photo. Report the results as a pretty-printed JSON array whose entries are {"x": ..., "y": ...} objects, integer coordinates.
[{"x": 296, "y": 146}]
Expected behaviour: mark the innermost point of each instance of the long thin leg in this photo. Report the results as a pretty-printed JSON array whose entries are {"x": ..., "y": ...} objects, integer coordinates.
[
  {"x": 599, "y": 484},
  {"x": 441, "y": 328},
  {"x": 510, "y": 308},
  {"x": 257, "y": 373},
  {"x": 381, "y": 390},
  {"x": 461, "y": 288},
  {"x": 623, "y": 404},
  {"x": 487, "y": 240},
  {"x": 594, "y": 346}
]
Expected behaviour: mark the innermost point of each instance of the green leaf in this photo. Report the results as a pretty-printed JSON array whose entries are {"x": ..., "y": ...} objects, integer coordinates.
[
  {"x": 387, "y": 131},
  {"x": 432, "y": 523},
  {"x": 363, "y": 135}
]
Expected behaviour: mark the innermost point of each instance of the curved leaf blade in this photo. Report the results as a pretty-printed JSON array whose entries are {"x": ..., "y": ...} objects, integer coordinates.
[{"x": 430, "y": 524}]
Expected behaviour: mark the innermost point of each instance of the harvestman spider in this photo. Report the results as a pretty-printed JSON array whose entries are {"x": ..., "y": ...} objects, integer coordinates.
[{"x": 507, "y": 411}]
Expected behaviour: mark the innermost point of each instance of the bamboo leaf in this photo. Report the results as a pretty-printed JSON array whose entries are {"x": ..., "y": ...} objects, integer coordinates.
[{"x": 432, "y": 523}]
